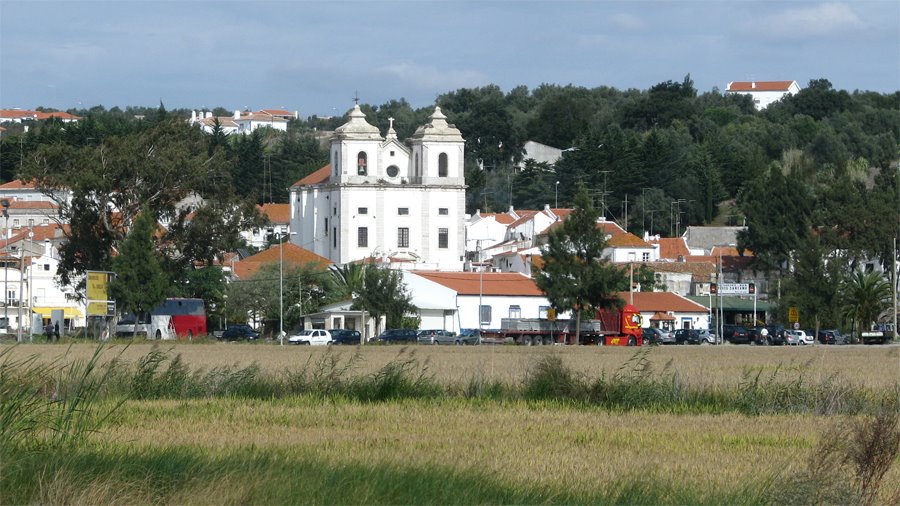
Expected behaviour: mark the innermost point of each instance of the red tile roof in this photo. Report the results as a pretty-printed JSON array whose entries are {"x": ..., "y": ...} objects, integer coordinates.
[
  {"x": 278, "y": 112},
  {"x": 647, "y": 302},
  {"x": 32, "y": 204},
  {"x": 672, "y": 247},
  {"x": 57, "y": 114},
  {"x": 524, "y": 216},
  {"x": 488, "y": 283},
  {"x": 18, "y": 184},
  {"x": 277, "y": 213},
  {"x": 627, "y": 240},
  {"x": 318, "y": 177},
  {"x": 293, "y": 255},
  {"x": 502, "y": 218},
  {"x": 760, "y": 85}
]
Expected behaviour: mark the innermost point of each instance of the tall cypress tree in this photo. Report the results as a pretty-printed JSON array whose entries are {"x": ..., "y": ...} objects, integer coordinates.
[{"x": 140, "y": 282}]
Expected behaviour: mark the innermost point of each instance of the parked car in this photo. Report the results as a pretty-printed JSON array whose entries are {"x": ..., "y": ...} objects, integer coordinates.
[
  {"x": 735, "y": 334},
  {"x": 687, "y": 336},
  {"x": 776, "y": 334},
  {"x": 398, "y": 336},
  {"x": 792, "y": 337},
  {"x": 311, "y": 337},
  {"x": 437, "y": 336},
  {"x": 651, "y": 335},
  {"x": 831, "y": 337},
  {"x": 666, "y": 336},
  {"x": 706, "y": 337},
  {"x": 470, "y": 336},
  {"x": 758, "y": 335},
  {"x": 345, "y": 336},
  {"x": 239, "y": 332}
]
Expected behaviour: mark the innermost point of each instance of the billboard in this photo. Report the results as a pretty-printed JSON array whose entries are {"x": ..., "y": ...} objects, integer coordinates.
[{"x": 98, "y": 303}]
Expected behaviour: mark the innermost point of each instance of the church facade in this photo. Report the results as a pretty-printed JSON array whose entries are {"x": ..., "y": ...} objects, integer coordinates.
[{"x": 382, "y": 198}]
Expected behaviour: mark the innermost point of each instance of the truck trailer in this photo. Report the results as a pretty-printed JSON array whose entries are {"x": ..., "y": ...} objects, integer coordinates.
[{"x": 611, "y": 327}]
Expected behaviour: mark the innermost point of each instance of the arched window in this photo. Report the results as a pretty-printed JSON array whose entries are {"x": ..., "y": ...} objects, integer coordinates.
[
  {"x": 337, "y": 162},
  {"x": 442, "y": 165},
  {"x": 361, "y": 163}
]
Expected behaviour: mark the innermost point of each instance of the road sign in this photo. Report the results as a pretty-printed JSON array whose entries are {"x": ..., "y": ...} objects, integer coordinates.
[
  {"x": 793, "y": 314},
  {"x": 734, "y": 288}
]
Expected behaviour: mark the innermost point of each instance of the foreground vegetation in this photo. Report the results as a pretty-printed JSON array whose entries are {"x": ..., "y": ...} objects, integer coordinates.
[{"x": 105, "y": 428}]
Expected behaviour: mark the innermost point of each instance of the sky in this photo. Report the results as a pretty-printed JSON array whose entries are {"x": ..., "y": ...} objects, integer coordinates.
[{"x": 315, "y": 56}]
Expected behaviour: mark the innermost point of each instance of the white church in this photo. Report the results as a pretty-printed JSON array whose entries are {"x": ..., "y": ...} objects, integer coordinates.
[{"x": 379, "y": 198}]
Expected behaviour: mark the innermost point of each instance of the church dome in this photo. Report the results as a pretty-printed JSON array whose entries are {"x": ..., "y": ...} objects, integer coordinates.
[
  {"x": 358, "y": 127},
  {"x": 437, "y": 129}
]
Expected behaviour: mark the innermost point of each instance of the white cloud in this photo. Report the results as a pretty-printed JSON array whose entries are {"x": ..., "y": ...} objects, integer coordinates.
[
  {"x": 73, "y": 52},
  {"x": 822, "y": 19},
  {"x": 628, "y": 21},
  {"x": 430, "y": 77}
]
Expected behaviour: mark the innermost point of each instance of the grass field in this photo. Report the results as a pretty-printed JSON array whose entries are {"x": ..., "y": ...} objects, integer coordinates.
[{"x": 432, "y": 442}]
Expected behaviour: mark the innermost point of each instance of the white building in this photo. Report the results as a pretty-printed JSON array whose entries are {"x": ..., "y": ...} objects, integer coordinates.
[
  {"x": 379, "y": 197},
  {"x": 540, "y": 153},
  {"x": 763, "y": 93}
]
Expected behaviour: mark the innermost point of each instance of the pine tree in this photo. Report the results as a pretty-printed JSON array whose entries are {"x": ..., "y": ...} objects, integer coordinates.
[{"x": 575, "y": 274}]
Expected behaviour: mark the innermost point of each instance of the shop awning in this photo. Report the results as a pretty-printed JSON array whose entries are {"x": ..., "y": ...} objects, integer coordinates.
[
  {"x": 660, "y": 316},
  {"x": 69, "y": 312}
]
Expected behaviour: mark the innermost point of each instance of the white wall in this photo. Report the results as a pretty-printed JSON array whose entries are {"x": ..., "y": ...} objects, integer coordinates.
[{"x": 500, "y": 304}]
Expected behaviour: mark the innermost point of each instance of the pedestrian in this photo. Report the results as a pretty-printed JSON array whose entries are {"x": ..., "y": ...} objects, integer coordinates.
[
  {"x": 56, "y": 330},
  {"x": 48, "y": 331}
]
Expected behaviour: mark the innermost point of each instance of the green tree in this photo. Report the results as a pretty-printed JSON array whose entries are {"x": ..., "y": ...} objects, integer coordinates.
[
  {"x": 383, "y": 293},
  {"x": 140, "y": 282},
  {"x": 864, "y": 296},
  {"x": 575, "y": 275},
  {"x": 814, "y": 284}
]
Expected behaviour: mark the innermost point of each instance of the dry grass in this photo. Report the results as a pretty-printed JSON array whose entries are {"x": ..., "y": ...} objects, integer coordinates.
[
  {"x": 579, "y": 450},
  {"x": 863, "y": 366}
]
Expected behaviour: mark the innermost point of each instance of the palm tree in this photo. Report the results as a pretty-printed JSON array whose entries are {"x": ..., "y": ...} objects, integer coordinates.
[{"x": 864, "y": 296}]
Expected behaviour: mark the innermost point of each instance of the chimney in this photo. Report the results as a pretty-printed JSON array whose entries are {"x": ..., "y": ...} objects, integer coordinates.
[
  {"x": 208, "y": 114},
  {"x": 237, "y": 114},
  {"x": 753, "y": 85},
  {"x": 193, "y": 116},
  {"x": 47, "y": 248},
  {"x": 296, "y": 114}
]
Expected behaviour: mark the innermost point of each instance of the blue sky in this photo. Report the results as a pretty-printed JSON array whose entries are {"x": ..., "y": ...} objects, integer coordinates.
[{"x": 313, "y": 56}]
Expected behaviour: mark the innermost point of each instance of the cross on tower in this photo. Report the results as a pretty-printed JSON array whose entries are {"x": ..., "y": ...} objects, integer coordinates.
[
  {"x": 391, "y": 120},
  {"x": 356, "y": 97}
]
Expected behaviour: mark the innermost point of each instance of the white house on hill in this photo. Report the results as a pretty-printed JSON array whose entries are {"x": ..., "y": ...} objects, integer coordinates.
[
  {"x": 379, "y": 197},
  {"x": 764, "y": 93}
]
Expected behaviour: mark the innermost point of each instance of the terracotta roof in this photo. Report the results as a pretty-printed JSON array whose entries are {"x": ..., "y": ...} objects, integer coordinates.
[
  {"x": 728, "y": 251},
  {"x": 277, "y": 213},
  {"x": 224, "y": 121},
  {"x": 562, "y": 213},
  {"x": 524, "y": 216},
  {"x": 32, "y": 204},
  {"x": 260, "y": 116},
  {"x": 39, "y": 234},
  {"x": 494, "y": 283},
  {"x": 278, "y": 112},
  {"x": 293, "y": 255},
  {"x": 18, "y": 184},
  {"x": 759, "y": 85},
  {"x": 610, "y": 228},
  {"x": 627, "y": 240},
  {"x": 58, "y": 114},
  {"x": 672, "y": 247},
  {"x": 502, "y": 218},
  {"x": 647, "y": 302},
  {"x": 16, "y": 113},
  {"x": 701, "y": 269},
  {"x": 660, "y": 316},
  {"x": 318, "y": 177}
]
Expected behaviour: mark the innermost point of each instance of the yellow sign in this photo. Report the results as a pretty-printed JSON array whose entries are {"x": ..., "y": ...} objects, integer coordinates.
[
  {"x": 97, "y": 285},
  {"x": 793, "y": 314},
  {"x": 551, "y": 314},
  {"x": 98, "y": 293}
]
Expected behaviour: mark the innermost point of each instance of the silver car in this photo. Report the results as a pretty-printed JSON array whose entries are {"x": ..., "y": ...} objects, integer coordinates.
[{"x": 437, "y": 336}]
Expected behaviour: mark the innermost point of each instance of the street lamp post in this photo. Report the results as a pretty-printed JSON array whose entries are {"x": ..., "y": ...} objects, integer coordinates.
[
  {"x": 5, "y": 204},
  {"x": 557, "y": 195},
  {"x": 281, "y": 285}
]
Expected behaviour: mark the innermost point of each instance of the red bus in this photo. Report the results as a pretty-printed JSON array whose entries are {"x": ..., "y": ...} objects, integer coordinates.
[{"x": 176, "y": 318}]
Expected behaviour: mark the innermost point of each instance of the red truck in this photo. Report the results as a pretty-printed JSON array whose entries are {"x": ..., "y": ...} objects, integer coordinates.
[{"x": 612, "y": 327}]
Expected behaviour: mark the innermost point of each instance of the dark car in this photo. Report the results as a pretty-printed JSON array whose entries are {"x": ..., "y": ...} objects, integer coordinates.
[
  {"x": 755, "y": 335},
  {"x": 735, "y": 334},
  {"x": 687, "y": 336},
  {"x": 776, "y": 334},
  {"x": 344, "y": 336},
  {"x": 831, "y": 337},
  {"x": 650, "y": 335},
  {"x": 398, "y": 336},
  {"x": 239, "y": 332}
]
